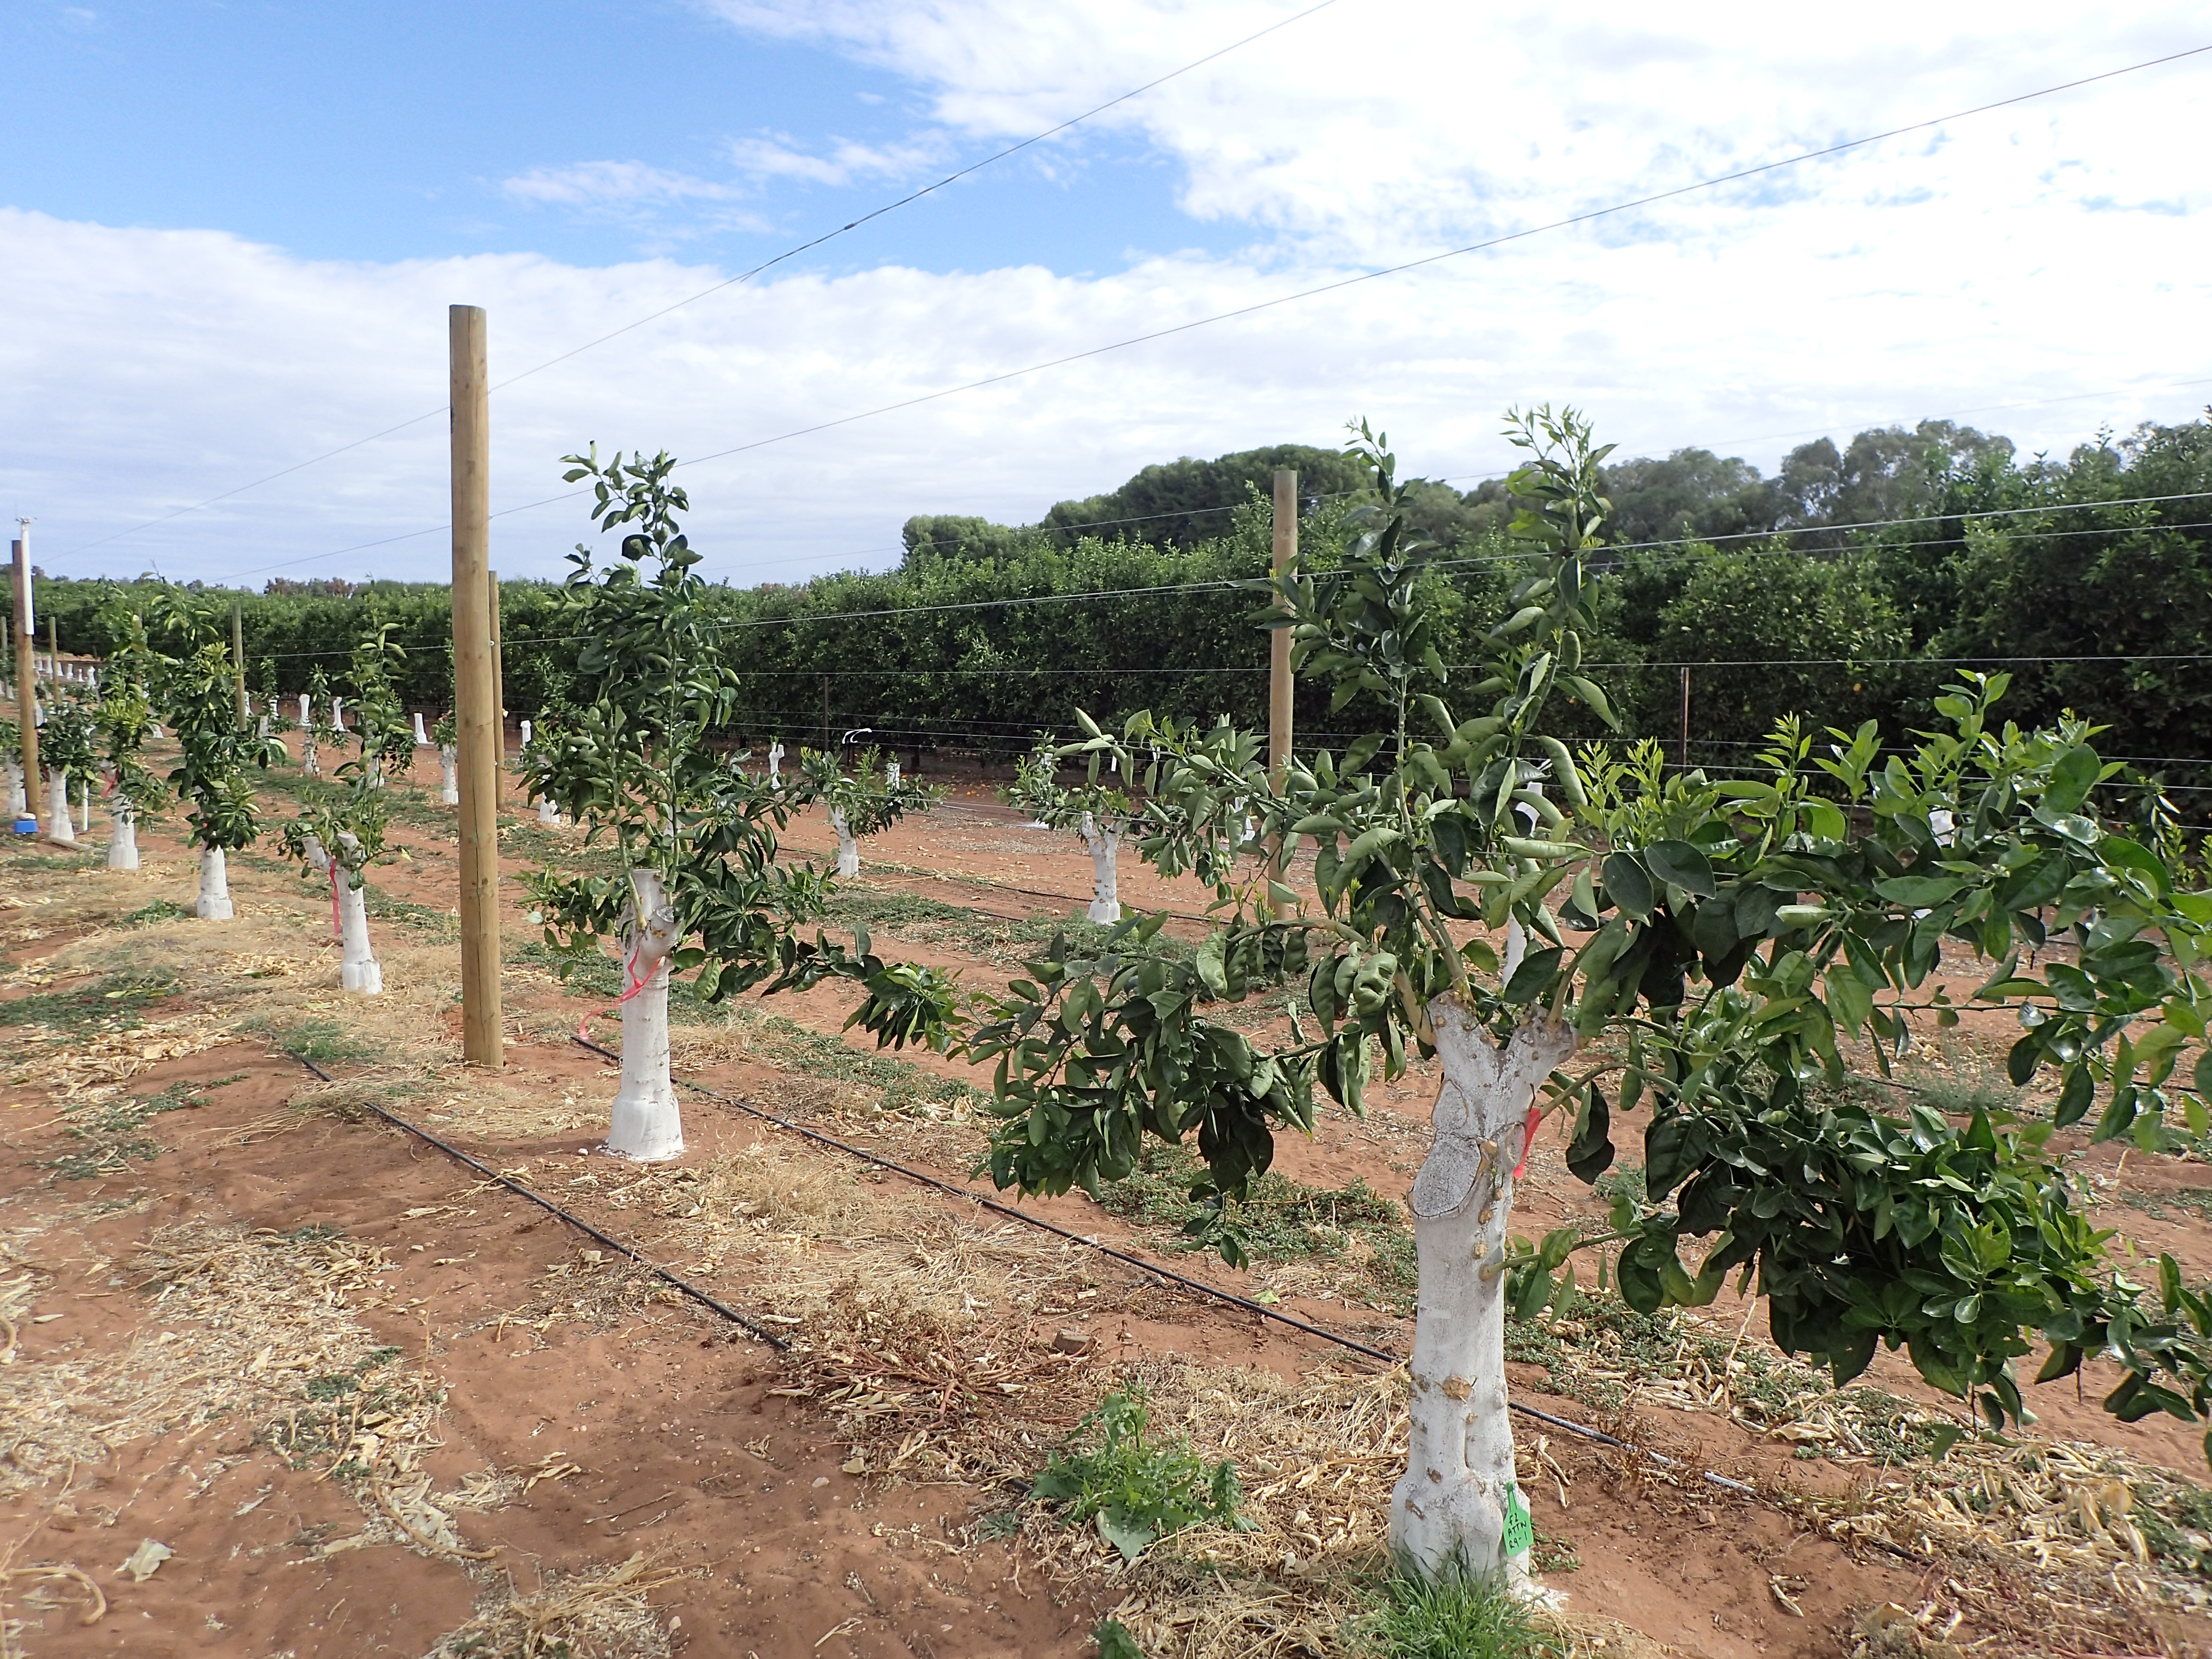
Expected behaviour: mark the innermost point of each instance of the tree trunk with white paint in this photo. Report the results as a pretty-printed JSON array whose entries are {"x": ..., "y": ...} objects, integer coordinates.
[
  {"x": 308, "y": 756},
  {"x": 422, "y": 737},
  {"x": 647, "y": 1124},
  {"x": 18, "y": 802},
  {"x": 60, "y": 826},
  {"x": 848, "y": 849},
  {"x": 121, "y": 834},
  {"x": 449, "y": 782},
  {"x": 213, "y": 903},
  {"x": 1459, "y": 1497},
  {"x": 547, "y": 812},
  {"x": 84, "y": 807},
  {"x": 358, "y": 968},
  {"x": 1105, "y": 845}
]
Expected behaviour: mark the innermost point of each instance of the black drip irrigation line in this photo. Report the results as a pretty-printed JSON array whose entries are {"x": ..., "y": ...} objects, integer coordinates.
[
  {"x": 581, "y": 1225},
  {"x": 1198, "y": 1287}
]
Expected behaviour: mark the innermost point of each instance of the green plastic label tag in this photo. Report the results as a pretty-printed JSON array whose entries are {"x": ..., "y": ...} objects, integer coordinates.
[{"x": 1519, "y": 1531}]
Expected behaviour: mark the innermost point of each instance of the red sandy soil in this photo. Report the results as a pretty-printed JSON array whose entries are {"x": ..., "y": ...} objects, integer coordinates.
[{"x": 683, "y": 1448}]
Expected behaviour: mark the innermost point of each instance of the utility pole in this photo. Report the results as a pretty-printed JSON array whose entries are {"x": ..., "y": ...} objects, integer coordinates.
[
  {"x": 26, "y": 670},
  {"x": 238, "y": 660},
  {"x": 1683, "y": 753},
  {"x": 479, "y": 732},
  {"x": 1286, "y": 558}
]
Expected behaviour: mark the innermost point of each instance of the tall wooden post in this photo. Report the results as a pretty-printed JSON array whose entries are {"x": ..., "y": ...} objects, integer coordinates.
[
  {"x": 1279, "y": 653},
  {"x": 1683, "y": 754},
  {"x": 476, "y": 707},
  {"x": 238, "y": 660},
  {"x": 53, "y": 648},
  {"x": 498, "y": 679},
  {"x": 825, "y": 715},
  {"x": 27, "y": 674}
]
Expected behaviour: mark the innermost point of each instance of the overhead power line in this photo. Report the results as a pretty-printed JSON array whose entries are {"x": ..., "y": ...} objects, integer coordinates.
[
  {"x": 746, "y": 275},
  {"x": 1588, "y": 217}
]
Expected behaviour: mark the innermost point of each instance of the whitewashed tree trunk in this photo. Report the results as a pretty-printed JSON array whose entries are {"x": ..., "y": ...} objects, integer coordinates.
[
  {"x": 449, "y": 782},
  {"x": 60, "y": 826},
  {"x": 84, "y": 807},
  {"x": 848, "y": 849},
  {"x": 121, "y": 834},
  {"x": 547, "y": 812},
  {"x": 358, "y": 968},
  {"x": 18, "y": 802},
  {"x": 891, "y": 777},
  {"x": 307, "y": 754},
  {"x": 1105, "y": 845},
  {"x": 303, "y": 711},
  {"x": 776, "y": 766},
  {"x": 261, "y": 731},
  {"x": 422, "y": 737},
  {"x": 213, "y": 903},
  {"x": 1459, "y": 1490},
  {"x": 647, "y": 1123}
]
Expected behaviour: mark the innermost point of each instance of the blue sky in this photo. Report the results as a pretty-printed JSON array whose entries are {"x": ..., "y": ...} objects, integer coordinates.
[
  {"x": 231, "y": 233},
  {"x": 386, "y": 132}
]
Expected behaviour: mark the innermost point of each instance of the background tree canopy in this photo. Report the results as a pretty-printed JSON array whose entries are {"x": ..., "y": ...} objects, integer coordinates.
[{"x": 1758, "y": 582}]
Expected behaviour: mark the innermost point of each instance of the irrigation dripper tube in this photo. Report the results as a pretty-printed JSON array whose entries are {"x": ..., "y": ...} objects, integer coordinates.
[
  {"x": 581, "y": 1225},
  {"x": 1198, "y": 1287}
]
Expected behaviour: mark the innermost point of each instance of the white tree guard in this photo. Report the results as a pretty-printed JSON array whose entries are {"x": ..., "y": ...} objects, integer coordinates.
[
  {"x": 303, "y": 711},
  {"x": 1459, "y": 1493},
  {"x": 338, "y": 713},
  {"x": 60, "y": 826},
  {"x": 84, "y": 807},
  {"x": 449, "y": 782},
  {"x": 848, "y": 848},
  {"x": 422, "y": 737},
  {"x": 307, "y": 755},
  {"x": 261, "y": 730},
  {"x": 547, "y": 812},
  {"x": 18, "y": 802},
  {"x": 891, "y": 777},
  {"x": 1105, "y": 845},
  {"x": 776, "y": 766},
  {"x": 358, "y": 968},
  {"x": 647, "y": 1123},
  {"x": 122, "y": 833},
  {"x": 213, "y": 903}
]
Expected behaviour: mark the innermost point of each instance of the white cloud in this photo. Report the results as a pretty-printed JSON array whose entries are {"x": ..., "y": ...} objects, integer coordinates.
[
  {"x": 776, "y": 157},
  {"x": 2032, "y": 256},
  {"x": 593, "y": 184}
]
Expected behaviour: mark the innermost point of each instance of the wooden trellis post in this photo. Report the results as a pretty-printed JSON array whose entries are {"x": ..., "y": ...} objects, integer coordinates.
[{"x": 479, "y": 734}]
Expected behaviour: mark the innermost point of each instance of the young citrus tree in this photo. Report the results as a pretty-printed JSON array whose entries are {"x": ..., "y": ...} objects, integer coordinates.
[
  {"x": 194, "y": 687},
  {"x": 66, "y": 751},
  {"x": 124, "y": 719},
  {"x": 385, "y": 734},
  {"x": 1716, "y": 946},
  {"x": 699, "y": 887},
  {"x": 861, "y": 803},
  {"x": 320, "y": 733},
  {"x": 338, "y": 838},
  {"x": 1098, "y": 810}
]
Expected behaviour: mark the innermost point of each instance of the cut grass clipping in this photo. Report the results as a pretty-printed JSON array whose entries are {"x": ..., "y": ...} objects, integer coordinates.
[{"x": 1136, "y": 1491}]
